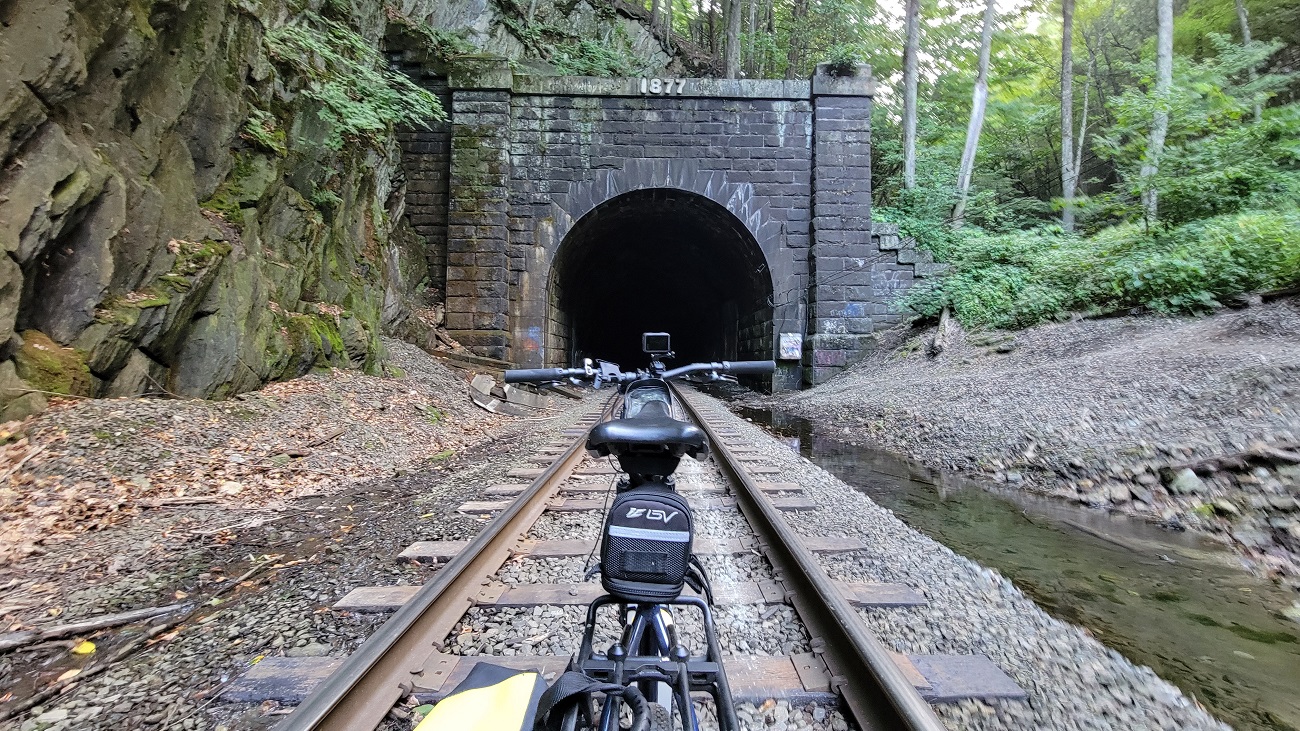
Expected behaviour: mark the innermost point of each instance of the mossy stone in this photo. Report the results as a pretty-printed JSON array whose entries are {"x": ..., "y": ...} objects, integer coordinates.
[
  {"x": 17, "y": 400},
  {"x": 49, "y": 367}
]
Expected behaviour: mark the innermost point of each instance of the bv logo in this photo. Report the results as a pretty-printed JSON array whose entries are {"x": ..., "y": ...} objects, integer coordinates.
[{"x": 655, "y": 514}]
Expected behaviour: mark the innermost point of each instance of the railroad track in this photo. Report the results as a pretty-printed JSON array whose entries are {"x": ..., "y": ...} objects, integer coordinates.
[{"x": 408, "y": 654}]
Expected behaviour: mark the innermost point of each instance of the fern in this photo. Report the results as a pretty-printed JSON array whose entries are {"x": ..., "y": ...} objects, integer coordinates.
[
  {"x": 441, "y": 43},
  {"x": 359, "y": 96}
]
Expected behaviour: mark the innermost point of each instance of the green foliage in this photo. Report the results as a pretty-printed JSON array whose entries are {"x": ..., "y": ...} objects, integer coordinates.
[
  {"x": 1213, "y": 161},
  {"x": 570, "y": 53},
  {"x": 584, "y": 57},
  {"x": 263, "y": 130},
  {"x": 443, "y": 44},
  {"x": 359, "y": 96},
  {"x": 842, "y": 57},
  {"x": 1240, "y": 166},
  {"x": 325, "y": 199},
  {"x": 1020, "y": 279},
  {"x": 433, "y": 414}
]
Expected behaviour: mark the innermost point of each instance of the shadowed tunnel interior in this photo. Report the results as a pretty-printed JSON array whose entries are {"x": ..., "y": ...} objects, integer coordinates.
[{"x": 660, "y": 260}]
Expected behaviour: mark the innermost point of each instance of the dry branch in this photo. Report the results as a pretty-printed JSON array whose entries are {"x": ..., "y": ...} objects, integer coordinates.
[{"x": 13, "y": 640}]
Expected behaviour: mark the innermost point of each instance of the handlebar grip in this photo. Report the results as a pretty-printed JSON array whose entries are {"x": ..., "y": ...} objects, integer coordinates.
[
  {"x": 751, "y": 367},
  {"x": 534, "y": 375}
]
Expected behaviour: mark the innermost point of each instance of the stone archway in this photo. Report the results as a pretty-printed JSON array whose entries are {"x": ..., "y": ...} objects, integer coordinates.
[{"x": 659, "y": 259}]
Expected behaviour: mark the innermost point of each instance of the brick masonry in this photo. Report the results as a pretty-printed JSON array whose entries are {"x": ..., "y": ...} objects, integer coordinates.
[{"x": 789, "y": 162}]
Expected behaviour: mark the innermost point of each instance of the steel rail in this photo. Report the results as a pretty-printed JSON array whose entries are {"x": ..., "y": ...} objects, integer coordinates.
[
  {"x": 877, "y": 693},
  {"x": 358, "y": 695}
]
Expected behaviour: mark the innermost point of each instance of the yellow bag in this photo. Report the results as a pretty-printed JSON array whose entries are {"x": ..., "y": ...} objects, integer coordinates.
[{"x": 490, "y": 698}]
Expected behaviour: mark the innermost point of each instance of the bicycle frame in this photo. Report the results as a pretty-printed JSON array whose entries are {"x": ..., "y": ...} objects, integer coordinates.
[
  {"x": 648, "y": 652},
  {"x": 658, "y": 659}
]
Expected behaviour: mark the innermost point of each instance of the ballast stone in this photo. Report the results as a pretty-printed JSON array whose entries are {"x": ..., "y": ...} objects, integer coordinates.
[{"x": 1185, "y": 482}]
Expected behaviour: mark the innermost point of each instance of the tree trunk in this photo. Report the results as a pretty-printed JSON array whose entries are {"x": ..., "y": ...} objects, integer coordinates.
[
  {"x": 731, "y": 63},
  {"x": 910, "y": 50},
  {"x": 668, "y": 12},
  {"x": 750, "y": 63},
  {"x": 794, "y": 56},
  {"x": 1069, "y": 173},
  {"x": 979, "y": 101},
  {"x": 713, "y": 31},
  {"x": 1245, "y": 41},
  {"x": 654, "y": 13},
  {"x": 1159, "y": 125},
  {"x": 769, "y": 26},
  {"x": 1083, "y": 127}
]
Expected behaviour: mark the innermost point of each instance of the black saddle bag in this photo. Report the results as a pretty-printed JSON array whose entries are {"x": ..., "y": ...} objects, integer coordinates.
[{"x": 646, "y": 545}]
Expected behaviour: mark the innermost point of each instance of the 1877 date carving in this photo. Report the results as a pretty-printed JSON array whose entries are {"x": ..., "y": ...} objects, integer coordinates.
[{"x": 662, "y": 86}]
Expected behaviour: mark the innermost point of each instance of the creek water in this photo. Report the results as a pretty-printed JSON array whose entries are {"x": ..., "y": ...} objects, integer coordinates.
[{"x": 1176, "y": 602}]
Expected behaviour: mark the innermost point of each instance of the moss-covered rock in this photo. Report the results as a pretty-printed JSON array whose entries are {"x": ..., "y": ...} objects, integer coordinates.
[
  {"x": 18, "y": 400},
  {"x": 156, "y": 202},
  {"x": 50, "y": 367}
]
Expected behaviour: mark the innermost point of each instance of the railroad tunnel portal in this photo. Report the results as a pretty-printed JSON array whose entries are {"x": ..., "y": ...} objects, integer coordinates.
[
  {"x": 563, "y": 216},
  {"x": 659, "y": 260}
]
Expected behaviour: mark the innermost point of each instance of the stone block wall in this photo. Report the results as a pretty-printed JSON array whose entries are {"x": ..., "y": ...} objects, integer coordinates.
[
  {"x": 843, "y": 308},
  {"x": 426, "y": 163},
  {"x": 477, "y": 291},
  {"x": 570, "y": 152},
  {"x": 526, "y": 158}
]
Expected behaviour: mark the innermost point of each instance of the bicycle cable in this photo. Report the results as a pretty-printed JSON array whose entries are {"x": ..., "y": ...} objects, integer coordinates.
[{"x": 604, "y": 513}]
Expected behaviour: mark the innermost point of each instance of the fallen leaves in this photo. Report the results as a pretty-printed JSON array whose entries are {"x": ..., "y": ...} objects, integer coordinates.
[
  {"x": 93, "y": 465},
  {"x": 85, "y": 647}
]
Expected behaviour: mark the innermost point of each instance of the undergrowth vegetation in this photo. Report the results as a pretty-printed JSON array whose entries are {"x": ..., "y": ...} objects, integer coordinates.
[
  {"x": 1019, "y": 279},
  {"x": 569, "y": 52},
  {"x": 1228, "y": 220}
]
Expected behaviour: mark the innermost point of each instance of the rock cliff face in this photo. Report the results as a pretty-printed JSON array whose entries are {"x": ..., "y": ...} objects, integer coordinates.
[{"x": 194, "y": 201}]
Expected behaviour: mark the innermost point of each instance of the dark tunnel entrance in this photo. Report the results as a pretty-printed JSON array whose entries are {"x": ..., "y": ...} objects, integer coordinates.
[{"x": 660, "y": 260}]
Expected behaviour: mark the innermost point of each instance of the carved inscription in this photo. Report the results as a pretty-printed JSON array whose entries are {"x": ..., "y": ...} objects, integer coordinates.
[{"x": 662, "y": 87}]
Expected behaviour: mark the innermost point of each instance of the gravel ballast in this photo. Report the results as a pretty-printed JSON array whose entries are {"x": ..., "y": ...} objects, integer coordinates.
[
  {"x": 1109, "y": 413},
  {"x": 1073, "y": 681},
  {"x": 338, "y": 522}
]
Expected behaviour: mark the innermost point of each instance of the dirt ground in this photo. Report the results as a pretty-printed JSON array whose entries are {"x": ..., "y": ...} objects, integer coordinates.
[
  {"x": 1193, "y": 423},
  {"x": 250, "y": 515}
]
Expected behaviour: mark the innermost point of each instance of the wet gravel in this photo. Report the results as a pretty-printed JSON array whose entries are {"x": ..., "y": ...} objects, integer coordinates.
[
  {"x": 1103, "y": 412},
  {"x": 1073, "y": 681}
]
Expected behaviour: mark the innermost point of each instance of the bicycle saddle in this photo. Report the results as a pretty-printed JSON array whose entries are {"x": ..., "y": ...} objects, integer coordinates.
[{"x": 650, "y": 430}]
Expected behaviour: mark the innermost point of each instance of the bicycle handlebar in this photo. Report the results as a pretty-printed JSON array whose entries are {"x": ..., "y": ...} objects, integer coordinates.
[
  {"x": 739, "y": 367},
  {"x": 541, "y": 375},
  {"x": 613, "y": 375}
]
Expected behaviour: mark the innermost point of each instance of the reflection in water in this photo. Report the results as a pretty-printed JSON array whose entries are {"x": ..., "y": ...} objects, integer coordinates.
[{"x": 1172, "y": 601}]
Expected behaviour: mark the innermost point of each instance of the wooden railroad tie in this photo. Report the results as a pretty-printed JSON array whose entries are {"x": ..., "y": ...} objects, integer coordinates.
[
  {"x": 578, "y": 505},
  {"x": 441, "y": 551},
  {"x": 375, "y": 599},
  {"x": 798, "y": 679}
]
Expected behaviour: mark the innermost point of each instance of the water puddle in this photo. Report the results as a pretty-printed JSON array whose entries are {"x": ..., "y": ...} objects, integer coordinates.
[{"x": 1173, "y": 601}]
